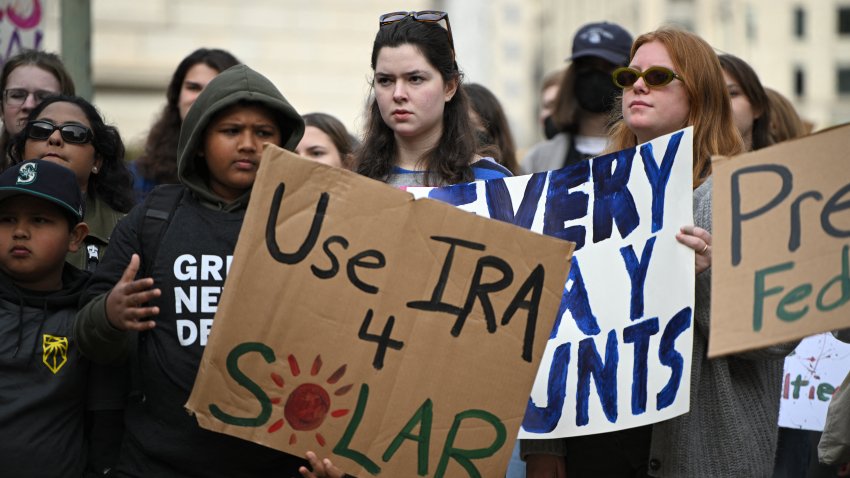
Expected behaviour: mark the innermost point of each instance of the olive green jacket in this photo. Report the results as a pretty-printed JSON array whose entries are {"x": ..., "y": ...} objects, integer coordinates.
[{"x": 101, "y": 220}]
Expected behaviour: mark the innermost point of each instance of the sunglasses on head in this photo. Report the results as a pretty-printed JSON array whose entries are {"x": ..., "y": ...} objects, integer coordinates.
[
  {"x": 425, "y": 16},
  {"x": 654, "y": 76},
  {"x": 71, "y": 133}
]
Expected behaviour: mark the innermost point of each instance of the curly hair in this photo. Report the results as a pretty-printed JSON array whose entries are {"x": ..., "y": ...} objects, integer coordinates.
[
  {"x": 113, "y": 182},
  {"x": 450, "y": 158},
  {"x": 159, "y": 160}
]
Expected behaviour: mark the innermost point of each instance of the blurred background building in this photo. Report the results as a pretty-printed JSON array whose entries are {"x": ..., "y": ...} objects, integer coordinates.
[{"x": 318, "y": 51}]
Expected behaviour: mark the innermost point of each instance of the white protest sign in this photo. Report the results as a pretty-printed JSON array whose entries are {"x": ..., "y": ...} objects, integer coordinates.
[
  {"x": 812, "y": 373},
  {"x": 619, "y": 355}
]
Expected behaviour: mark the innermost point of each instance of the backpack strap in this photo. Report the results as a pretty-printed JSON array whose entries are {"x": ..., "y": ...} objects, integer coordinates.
[{"x": 159, "y": 208}]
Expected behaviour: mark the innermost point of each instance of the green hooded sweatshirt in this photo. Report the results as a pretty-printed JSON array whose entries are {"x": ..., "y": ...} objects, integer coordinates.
[
  {"x": 234, "y": 85},
  {"x": 189, "y": 267}
]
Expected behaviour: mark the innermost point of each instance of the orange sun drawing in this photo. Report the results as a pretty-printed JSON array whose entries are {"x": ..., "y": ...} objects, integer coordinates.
[{"x": 308, "y": 404}]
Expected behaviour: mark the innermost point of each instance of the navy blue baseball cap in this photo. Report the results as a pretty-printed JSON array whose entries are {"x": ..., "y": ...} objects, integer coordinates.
[
  {"x": 45, "y": 180},
  {"x": 608, "y": 41}
]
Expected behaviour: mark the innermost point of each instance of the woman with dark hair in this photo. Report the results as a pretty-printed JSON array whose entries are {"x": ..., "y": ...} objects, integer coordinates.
[
  {"x": 418, "y": 131},
  {"x": 326, "y": 141},
  {"x": 68, "y": 130},
  {"x": 582, "y": 111},
  {"x": 27, "y": 79},
  {"x": 158, "y": 163},
  {"x": 491, "y": 125},
  {"x": 750, "y": 105}
]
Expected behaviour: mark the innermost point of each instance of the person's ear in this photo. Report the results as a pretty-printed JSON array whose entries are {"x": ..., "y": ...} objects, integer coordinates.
[
  {"x": 98, "y": 164},
  {"x": 451, "y": 88},
  {"x": 78, "y": 234}
]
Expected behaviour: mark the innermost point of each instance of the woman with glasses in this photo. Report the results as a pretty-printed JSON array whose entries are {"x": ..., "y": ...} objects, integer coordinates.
[
  {"x": 158, "y": 163},
  {"x": 674, "y": 80},
  {"x": 418, "y": 131},
  {"x": 68, "y": 130},
  {"x": 27, "y": 79}
]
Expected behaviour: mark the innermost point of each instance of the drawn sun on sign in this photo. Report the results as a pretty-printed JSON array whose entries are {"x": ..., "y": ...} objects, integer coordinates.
[{"x": 308, "y": 405}]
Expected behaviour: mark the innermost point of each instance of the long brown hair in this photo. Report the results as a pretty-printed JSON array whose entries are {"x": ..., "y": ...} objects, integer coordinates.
[
  {"x": 159, "y": 161},
  {"x": 785, "y": 122},
  {"x": 710, "y": 108},
  {"x": 448, "y": 161},
  {"x": 750, "y": 84}
]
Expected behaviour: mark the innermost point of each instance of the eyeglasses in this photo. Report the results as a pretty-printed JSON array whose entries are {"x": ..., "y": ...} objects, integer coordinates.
[
  {"x": 654, "y": 77},
  {"x": 18, "y": 96},
  {"x": 40, "y": 130},
  {"x": 425, "y": 16}
]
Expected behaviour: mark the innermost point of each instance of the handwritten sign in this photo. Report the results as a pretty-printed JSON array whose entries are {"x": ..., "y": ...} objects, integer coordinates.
[
  {"x": 398, "y": 336},
  {"x": 20, "y": 27},
  {"x": 781, "y": 261},
  {"x": 619, "y": 355},
  {"x": 813, "y": 372}
]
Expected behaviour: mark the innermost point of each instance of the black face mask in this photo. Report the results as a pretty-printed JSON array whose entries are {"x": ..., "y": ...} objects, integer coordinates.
[
  {"x": 595, "y": 91},
  {"x": 549, "y": 128}
]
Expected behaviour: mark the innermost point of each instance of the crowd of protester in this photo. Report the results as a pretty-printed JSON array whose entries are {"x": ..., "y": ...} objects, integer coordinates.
[{"x": 86, "y": 248}]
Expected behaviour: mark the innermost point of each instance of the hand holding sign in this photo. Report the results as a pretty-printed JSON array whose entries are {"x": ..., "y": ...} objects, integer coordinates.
[
  {"x": 699, "y": 240},
  {"x": 124, "y": 304},
  {"x": 321, "y": 468}
]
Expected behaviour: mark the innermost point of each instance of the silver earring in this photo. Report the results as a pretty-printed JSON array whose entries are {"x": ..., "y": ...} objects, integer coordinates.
[{"x": 94, "y": 170}]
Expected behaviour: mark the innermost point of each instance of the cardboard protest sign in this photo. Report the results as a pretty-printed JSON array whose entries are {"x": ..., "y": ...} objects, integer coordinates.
[
  {"x": 619, "y": 355},
  {"x": 21, "y": 27},
  {"x": 780, "y": 266},
  {"x": 812, "y": 373},
  {"x": 399, "y": 337}
]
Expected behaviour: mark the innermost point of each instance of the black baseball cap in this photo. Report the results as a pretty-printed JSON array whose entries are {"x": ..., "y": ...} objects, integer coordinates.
[
  {"x": 608, "y": 41},
  {"x": 45, "y": 180}
]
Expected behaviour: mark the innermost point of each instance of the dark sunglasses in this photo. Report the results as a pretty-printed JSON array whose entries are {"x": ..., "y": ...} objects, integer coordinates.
[
  {"x": 425, "y": 16},
  {"x": 654, "y": 76},
  {"x": 71, "y": 133}
]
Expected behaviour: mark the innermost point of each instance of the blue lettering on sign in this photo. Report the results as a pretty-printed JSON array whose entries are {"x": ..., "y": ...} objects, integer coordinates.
[
  {"x": 545, "y": 419},
  {"x": 456, "y": 195},
  {"x": 658, "y": 177},
  {"x": 637, "y": 273},
  {"x": 501, "y": 207},
  {"x": 612, "y": 201},
  {"x": 575, "y": 300},
  {"x": 563, "y": 205},
  {"x": 604, "y": 376},
  {"x": 670, "y": 357},
  {"x": 639, "y": 335}
]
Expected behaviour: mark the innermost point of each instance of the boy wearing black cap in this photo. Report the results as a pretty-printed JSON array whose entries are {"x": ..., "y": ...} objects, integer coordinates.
[{"x": 43, "y": 378}]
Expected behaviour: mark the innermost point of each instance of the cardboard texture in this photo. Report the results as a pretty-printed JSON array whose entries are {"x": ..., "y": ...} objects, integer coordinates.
[
  {"x": 359, "y": 332},
  {"x": 620, "y": 353},
  {"x": 781, "y": 236}
]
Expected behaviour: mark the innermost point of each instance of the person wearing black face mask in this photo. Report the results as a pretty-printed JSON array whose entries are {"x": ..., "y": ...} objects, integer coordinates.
[{"x": 579, "y": 122}]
